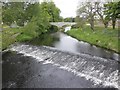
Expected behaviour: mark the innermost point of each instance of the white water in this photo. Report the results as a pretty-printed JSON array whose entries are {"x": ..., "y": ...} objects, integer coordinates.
[{"x": 100, "y": 71}]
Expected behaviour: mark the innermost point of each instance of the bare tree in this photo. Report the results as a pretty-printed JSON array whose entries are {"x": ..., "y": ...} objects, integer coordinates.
[
  {"x": 88, "y": 9},
  {"x": 100, "y": 11}
]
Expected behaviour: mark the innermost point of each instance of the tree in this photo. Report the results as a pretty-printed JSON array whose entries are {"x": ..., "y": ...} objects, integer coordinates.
[
  {"x": 88, "y": 9},
  {"x": 13, "y": 12},
  {"x": 80, "y": 22},
  {"x": 41, "y": 20},
  {"x": 112, "y": 11},
  {"x": 52, "y": 10},
  {"x": 69, "y": 19},
  {"x": 19, "y": 12},
  {"x": 100, "y": 11},
  {"x": 31, "y": 10}
]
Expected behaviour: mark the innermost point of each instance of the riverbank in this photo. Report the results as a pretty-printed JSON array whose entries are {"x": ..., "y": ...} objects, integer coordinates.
[
  {"x": 8, "y": 36},
  {"x": 105, "y": 38},
  {"x": 11, "y": 35},
  {"x": 25, "y": 34}
]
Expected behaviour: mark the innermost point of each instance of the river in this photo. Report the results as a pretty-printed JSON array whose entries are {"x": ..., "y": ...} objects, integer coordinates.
[
  {"x": 64, "y": 42},
  {"x": 59, "y": 61}
]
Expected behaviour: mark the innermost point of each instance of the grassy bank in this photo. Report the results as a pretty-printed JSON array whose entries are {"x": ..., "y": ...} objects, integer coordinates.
[
  {"x": 8, "y": 36},
  {"x": 12, "y": 35},
  {"x": 106, "y": 38},
  {"x": 23, "y": 34}
]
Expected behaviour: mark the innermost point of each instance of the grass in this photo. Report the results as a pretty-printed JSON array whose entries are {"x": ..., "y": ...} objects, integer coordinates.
[
  {"x": 11, "y": 35},
  {"x": 8, "y": 36},
  {"x": 19, "y": 34},
  {"x": 106, "y": 38}
]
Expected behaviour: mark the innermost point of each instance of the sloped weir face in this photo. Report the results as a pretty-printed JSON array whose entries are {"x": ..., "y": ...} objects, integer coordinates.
[{"x": 100, "y": 71}]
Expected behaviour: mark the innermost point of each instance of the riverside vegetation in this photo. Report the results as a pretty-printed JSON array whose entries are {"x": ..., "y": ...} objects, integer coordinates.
[
  {"x": 37, "y": 16},
  {"x": 106, "y": 38}
]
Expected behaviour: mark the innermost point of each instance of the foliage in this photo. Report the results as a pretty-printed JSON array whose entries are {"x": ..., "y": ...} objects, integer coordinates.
[
  {"x": 53, "y": 29},
  {"x": 106, "y": 11},
  {"x": 21, "y": 12},
  {"x": 88, "y": 11},
  {"x": 38, "y": 25},
  {"x": 80, "y": 22},
  {"x": 13, "y": 12},
  {"x": 112, "y": 11},
  {"x": 69, "y": 19},
  {"x": 37, "y": 16},
  {"x": 9, "y": 36},
  {"x": 24, "y": 37},
  {"x": 100, "y": 11},
  {"x": 52, "y": 10},
  {"x": 31, "y": 10},
  {"x": 43, "y": 41}
]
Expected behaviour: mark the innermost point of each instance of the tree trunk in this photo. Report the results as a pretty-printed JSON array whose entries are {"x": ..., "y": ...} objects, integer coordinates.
[
  {"x": 105, "y": 24},
  {"x": 92, "y": 23},
  {"x": 113, "y": 23}
]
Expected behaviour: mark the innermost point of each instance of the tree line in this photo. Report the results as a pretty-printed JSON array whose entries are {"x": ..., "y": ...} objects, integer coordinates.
[
  {"x": 34, "y": 17},
  {"x": 21, "y": 12},
  {"x": 106, "y": 12}
]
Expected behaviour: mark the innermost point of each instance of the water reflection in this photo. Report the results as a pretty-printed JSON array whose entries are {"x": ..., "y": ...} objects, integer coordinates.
[
  {"x": 66, "y": 43},
  {"x": 45, "y": 39}
]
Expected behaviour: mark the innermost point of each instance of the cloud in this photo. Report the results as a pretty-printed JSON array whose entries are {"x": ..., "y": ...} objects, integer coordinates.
[{"x": 68, "y": 7}]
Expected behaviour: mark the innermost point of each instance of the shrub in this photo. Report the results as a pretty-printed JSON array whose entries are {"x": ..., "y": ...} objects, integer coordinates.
[{"x": 53, "y": 29}]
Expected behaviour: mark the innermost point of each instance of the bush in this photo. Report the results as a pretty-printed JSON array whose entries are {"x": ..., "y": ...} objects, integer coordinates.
[
  {"x": 30, "y": 30},
  {"x": 53, "y": 29},
  {"x": 24, "y": 37},
  {"x": 74, "y": 26}
]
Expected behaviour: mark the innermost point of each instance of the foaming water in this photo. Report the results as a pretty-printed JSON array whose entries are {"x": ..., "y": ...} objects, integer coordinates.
[{"x": 100, "y": 71}]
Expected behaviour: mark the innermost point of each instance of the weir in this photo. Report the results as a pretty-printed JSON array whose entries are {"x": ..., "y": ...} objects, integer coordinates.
[{"x": 100, "y": 71}]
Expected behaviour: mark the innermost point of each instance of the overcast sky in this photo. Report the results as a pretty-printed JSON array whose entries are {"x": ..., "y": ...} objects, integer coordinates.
[{"x": 68, "y": 7}]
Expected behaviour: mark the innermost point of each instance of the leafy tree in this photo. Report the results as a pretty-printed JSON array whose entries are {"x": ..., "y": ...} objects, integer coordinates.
[
  {"x": 80, "y": 22},
  {"x": 40, "y": 19},
  {"x": 112, "y": 11},
  {"x": 19, "y": 12},
  {"x": 52, "y": 10},
  {"x": 36, "y": 15},
  {"x": 100, "y": 11},
  {"x": 31, "y": 10},
  {"x": 69, "y": 19},
  {"x": 13, "y": 12}
]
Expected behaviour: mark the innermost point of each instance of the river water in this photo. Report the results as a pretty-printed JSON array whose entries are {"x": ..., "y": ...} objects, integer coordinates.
[
  {"x": 59, "y": 61},
  {"x": 64, "y": 42}
]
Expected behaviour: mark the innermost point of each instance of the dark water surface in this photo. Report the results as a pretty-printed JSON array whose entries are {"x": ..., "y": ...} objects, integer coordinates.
[
  {"x": 25, "y": 72},
  {"x": 64, "y": 42}
]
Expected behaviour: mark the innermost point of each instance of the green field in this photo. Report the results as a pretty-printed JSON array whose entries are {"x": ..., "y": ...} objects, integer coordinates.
[{"x": 106, "y": 38}]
